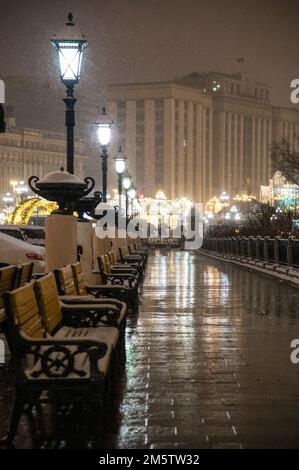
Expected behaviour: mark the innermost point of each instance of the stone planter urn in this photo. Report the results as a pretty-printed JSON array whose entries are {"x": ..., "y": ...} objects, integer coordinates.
[{"x": 61, "y": 187}]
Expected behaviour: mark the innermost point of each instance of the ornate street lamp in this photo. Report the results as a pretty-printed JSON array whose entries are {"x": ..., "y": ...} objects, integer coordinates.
[
  {"x": 132, "y": 192},
  {"x": 104, "y": 126},
  {"x": 120, "y": 166},
  {"x": 127, "y": 180},
  {"x": 70, "y": 44}
]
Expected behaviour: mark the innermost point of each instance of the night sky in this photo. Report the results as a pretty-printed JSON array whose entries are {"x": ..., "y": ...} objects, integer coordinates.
[{"x": 145, "y": 40}]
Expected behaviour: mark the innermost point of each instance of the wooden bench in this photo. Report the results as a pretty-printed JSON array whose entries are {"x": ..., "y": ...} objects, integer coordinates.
[
  {"x": 52, "y": 356},
  {"x": 23, "y": 274},
  {"x": 117, "y": 291},
  {"x": 136, "y": 248},
  {"x": 138, "y": 258},
  {"x": 124, "y": 271},
  {"x": 74, "y": 314},
  {"x": 126, "y": 280},
  {"x": 7, "y": 283},
  {"x": 120, "y": 267},
  {"x": 70, "y": 295}
]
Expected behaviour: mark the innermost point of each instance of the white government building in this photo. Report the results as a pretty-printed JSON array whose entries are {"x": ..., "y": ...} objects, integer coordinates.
[{"x": 200, "y": 134}]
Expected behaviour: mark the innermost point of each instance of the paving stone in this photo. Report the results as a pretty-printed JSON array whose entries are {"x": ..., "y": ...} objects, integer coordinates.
[{"x": 207, "y": 364}]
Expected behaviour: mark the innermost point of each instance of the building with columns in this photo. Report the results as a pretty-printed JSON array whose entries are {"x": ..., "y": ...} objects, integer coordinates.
[
  {"x": 200, "y": 134},
  {"x": 27, "y": 152}
]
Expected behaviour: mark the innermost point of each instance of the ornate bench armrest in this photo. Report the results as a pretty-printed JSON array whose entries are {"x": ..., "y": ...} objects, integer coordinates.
[
  {"x": 84, "y": 343},
  {"x": 124, "y": 270},
  {"x": 86, "y": 315},
  {"x": 133, "y": 258},
  {"x": 136, "y": 266},
  {"x": 120, "y": 279},
  {"x": 105, "y": 291},
  {"x": 56, "y": 357}
]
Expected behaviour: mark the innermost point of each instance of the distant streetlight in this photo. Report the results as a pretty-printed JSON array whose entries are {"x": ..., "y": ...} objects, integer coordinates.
[
  {"x": 104, "y": 126},
  {"x": 120, "y": 166},
  {"x": 126, "y": 182},
  {"x": 132, "y": 195},
  {"x": 8, "y": 200},
  {"x": 70, "y": 44},
  {"x": 224, "y": 196},
  {"x": 22, "y": 190},
  {"x": 132, "y": 192},
  {"x": 127, "y": 179}
]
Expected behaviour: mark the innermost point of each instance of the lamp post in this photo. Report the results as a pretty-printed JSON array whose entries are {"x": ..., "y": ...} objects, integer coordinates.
[
  {"x": 70, "y": 44},
  {"x": 127, "y": 181},
  {"x": 120, "y": 166},
  {"x": 104, "y": 126}
]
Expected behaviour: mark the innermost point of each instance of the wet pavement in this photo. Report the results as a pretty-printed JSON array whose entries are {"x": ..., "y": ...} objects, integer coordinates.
[{"x": 207, "y": 363}]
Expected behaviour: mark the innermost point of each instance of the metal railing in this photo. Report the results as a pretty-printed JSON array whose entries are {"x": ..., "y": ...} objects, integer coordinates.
[{"x": 284, "y": 251}]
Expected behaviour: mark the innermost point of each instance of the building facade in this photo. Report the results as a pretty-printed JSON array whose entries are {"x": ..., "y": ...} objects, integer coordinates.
[
  {"x": 200, "y": 134},
  {"x": 27, "y": 152}
]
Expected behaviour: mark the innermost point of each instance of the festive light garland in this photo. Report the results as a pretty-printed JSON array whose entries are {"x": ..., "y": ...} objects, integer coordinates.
[{"x": 29, "y": 207}]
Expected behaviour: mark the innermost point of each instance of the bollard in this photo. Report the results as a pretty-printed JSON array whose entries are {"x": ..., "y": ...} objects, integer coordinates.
[
  {"x": 237, "y": 250},
  {"x": 245, "y": 247},
  {"x": 276, "y": 249},
  {"x": 259, "y": 247},
  {"x": 249, "y": 247},
  {"x": 290, "y": 251},
  {"x": 242, "y": 246},
  {"x": 296, "y": 252},
  {"x": 257, "y": 251},
  {"x": 266, "y": 248},
  {"x": 253, "y": 247}
]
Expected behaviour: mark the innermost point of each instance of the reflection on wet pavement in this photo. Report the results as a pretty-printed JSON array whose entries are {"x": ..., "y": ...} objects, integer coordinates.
[{"x": 207, "y": 362}]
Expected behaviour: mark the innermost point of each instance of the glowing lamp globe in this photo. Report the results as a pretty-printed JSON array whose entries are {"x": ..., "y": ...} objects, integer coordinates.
[
  {"x": 132, "y": 193},
  {"x": 120, "y": 161},
  {"x": 70, "y": 44},
  {"x": 104, "y": 126},
  {"x": 126, "y": 181}
]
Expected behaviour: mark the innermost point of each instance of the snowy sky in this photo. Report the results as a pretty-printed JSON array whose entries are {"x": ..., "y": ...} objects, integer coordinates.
[{"x": 145, "y": 40}]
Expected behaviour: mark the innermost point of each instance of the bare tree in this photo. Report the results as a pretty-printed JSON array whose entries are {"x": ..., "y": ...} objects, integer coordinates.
[
  {"x": 264, "y": 222},
  {"x": 268, "y": 222},
  {"x": 286, "y": 161}
]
